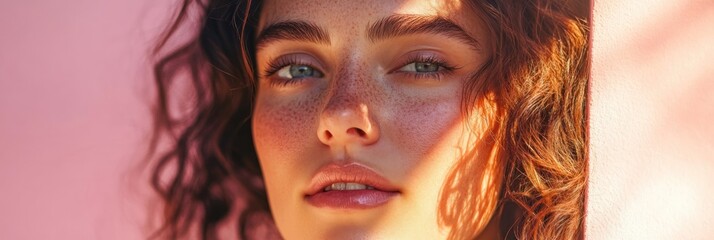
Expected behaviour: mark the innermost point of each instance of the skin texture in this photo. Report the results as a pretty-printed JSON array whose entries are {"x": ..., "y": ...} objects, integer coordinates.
[{"x": 364, "y": 108}]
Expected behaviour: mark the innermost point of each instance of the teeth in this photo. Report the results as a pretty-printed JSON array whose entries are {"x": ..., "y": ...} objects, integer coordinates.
[
  {"x": 355, "y": 186},
  {"x": 347, "y": 186}
]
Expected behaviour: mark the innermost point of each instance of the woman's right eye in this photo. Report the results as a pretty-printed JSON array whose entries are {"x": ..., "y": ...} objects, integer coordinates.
[{"x": 296, "y": 71}]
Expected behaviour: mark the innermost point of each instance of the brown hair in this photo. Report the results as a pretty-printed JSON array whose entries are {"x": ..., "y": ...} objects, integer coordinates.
[{"x": 536, "y": 79}]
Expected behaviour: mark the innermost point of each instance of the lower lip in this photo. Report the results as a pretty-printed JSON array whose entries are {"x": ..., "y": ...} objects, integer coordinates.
[{"x": 350, "y": 199}]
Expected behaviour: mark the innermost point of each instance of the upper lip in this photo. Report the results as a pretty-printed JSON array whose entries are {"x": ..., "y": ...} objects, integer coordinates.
[{"x": 348, "y": 173}]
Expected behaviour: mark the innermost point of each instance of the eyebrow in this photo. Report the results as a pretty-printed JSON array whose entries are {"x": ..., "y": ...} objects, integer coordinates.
[
  {"x": 292, "y": 30},
  {"x": 406, "y": 24},
  {"x": 388, "y": 27}
]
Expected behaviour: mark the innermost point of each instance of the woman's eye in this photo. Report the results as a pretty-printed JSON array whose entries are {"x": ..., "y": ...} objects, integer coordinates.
[
  {"x": 298, "y": 71},
  {"x": 424, "y": 67}
]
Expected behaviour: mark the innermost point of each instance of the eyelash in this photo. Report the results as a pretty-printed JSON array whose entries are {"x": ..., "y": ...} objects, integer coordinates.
[
  {"x": 447, "y": 68},
  {"x": 275, "y": 66}
]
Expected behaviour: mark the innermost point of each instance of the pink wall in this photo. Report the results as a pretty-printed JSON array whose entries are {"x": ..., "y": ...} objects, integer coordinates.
[
  {"x": 73, "y": 118},
  {"x": 652, "y": 137}
]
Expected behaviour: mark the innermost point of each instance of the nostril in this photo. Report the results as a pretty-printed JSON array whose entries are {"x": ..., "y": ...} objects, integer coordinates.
[
  {"x": 328, "y": 135},
  {"x": 357, "y": 131}
]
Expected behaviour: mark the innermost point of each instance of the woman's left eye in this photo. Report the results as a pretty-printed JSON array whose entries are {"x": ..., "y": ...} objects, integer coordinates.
[
  {"x": 421, "y": 67},
  {"x": 426, "y": 67},
  {"x": 294, "y": 71}
]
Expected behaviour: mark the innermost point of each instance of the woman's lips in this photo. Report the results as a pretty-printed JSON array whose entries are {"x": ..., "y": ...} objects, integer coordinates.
[{"x": 351, "y": 186}]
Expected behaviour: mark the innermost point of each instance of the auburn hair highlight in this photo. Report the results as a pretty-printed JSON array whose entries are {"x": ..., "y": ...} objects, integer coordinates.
[{"x": 538, "y": 77}]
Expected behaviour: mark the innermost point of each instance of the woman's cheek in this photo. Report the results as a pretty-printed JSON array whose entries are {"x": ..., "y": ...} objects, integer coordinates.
[
  {"x": 420, "y": 123},
  {"x": 284, "y": 125}
]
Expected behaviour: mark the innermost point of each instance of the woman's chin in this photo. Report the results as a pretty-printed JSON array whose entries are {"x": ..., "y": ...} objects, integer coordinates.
[
  {"x": 351, "y": 230},
  {"x": 395, "y": 219}
]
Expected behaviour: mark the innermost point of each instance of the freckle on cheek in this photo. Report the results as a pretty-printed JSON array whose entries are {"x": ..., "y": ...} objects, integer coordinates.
[
  {"x": 421, "y": 123},
  {"x": 284, "y": 127}
]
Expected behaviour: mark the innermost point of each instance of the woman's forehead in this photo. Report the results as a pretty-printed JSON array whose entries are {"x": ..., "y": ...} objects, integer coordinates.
[
  {"x": 356, "y": 12},
  {"x": 356, "y": 17}
]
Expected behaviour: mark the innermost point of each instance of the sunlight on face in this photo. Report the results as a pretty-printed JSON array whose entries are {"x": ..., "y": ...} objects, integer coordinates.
[{"x": 358, "y": 119}]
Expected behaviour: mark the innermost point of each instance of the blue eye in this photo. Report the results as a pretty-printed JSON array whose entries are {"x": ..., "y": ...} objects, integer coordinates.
[
  {"x": 421, "y": 67},
  {"x": 425, "y": 67},
  {"x": 298, "y": 71}
]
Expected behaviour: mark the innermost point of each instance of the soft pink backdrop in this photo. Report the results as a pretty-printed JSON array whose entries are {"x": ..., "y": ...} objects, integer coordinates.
[
  {"x": 74, "y": 118},
  {"x": 652, "y": 114}
]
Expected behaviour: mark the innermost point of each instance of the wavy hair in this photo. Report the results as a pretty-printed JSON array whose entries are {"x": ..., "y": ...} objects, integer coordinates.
[{"x": 536, "y": 79}]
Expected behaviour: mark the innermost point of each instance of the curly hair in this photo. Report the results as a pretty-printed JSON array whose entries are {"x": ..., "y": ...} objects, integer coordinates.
[{"x": 536, "y": 80}]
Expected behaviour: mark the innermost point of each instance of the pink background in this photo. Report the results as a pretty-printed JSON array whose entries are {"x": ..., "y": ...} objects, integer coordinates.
[
  {"x": 74, "y": 94},
  {"x": 652, "y": 114},
  {"x": 74, "y": 116}
]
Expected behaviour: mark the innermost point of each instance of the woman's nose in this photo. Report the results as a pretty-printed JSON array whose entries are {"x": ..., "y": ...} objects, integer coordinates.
[{"x": 345, "y": 121}]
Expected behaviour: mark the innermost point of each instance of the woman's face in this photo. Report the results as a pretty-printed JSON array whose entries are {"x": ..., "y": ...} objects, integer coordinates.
[{"x": 358, "y": 115}]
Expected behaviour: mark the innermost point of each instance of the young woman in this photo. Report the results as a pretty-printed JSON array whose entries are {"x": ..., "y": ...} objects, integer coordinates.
[{"x": 412, "y": 119}]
